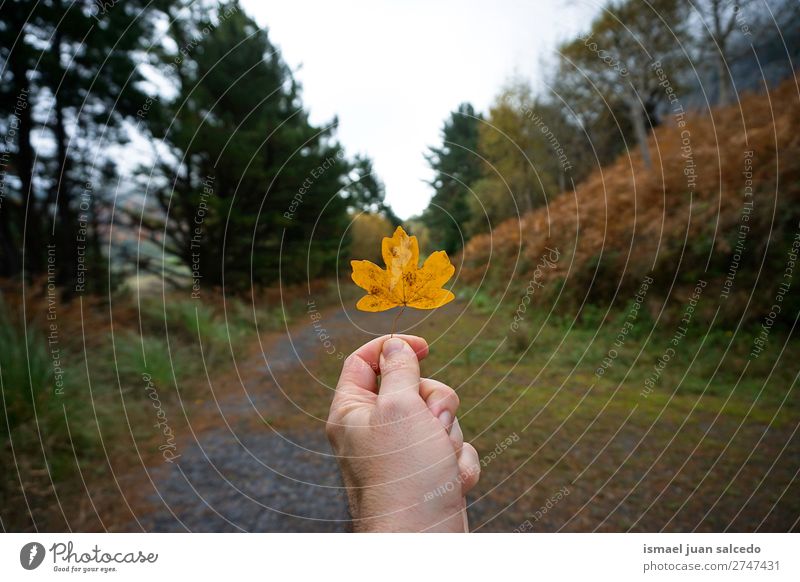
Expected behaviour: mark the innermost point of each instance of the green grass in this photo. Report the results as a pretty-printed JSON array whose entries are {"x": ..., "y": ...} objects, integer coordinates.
[
  {"x": 707, "y": 407},
  {"x": 43, "y": 423}
]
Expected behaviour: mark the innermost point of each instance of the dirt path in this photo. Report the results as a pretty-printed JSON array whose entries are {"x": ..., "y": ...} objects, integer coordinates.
[{"x": 238, "y": 472}]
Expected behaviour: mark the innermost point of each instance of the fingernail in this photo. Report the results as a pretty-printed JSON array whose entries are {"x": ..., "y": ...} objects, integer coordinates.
[
  {"x": 446, "y": 418},
  {"x": 392, "y": 346}
]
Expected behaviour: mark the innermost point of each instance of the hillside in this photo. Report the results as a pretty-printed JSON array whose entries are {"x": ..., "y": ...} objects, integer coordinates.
[{"x": 722, "y": 205}]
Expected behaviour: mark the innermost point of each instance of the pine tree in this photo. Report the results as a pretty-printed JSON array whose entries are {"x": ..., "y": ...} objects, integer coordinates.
[
  {"x": 366, "y": 192},
  {"x": 248, "y": 188},
  {"x": 456, "y": 167},
  {"x": 73, "y": 82}
]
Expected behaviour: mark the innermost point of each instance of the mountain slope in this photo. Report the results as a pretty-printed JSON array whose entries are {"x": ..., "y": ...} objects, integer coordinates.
[{"x": 721, "y": 205}]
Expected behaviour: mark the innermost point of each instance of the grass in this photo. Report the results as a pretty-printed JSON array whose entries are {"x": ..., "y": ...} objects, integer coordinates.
[
  {"x": 708, "y": 404},
  {"x": 42, "y": 426},
  {"x": 562, "y": 353}
]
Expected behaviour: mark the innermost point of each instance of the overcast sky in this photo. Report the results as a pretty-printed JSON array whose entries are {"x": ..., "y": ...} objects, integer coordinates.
[{"x": 393, "y": 70}]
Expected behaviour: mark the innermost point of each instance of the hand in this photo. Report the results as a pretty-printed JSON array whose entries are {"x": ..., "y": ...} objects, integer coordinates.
[{"x": 399, "y": 446}]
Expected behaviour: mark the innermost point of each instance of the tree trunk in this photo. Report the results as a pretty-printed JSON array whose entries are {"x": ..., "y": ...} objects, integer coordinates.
[
  {"x": 34, "y": 253},
  {"x": 637, "y": 113},
  {"x": 65, "y": 227},
  {"x": 722, "y": 78},
  {"x": 9, "y": 253}
]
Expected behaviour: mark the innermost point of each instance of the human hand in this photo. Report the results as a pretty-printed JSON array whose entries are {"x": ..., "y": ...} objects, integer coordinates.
[{"x": 401, "y": 451}]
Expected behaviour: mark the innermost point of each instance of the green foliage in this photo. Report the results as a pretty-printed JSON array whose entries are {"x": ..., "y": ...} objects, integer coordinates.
[
  {"x": 479, "y": 299},
  {"x": 520, "y": 341},
  {"x": 26, "y": 369},
  {"x": 182, "y": 337},
  {"x": 190, "y": 319},
  {"x": 167, "y": 363},
  {"x": 366, "y": 192},
  {"x": 252, "y": 187},
  {"x": 515, "y": 148},
  {"x": 43, "y": 423}
]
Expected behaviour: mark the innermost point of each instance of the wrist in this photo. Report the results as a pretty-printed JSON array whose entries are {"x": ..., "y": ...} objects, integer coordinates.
[{"x": 388, "y": 509}]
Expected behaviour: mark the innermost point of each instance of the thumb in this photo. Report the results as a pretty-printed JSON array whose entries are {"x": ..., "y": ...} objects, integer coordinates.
[{"x": 399, "y": 368}]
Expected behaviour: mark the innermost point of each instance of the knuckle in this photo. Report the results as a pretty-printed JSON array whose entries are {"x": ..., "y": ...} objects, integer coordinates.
[
  {"x": 451, "y": 396},
  {"x": 399, "y": 363},
  {"x": 332, "y": 431},
  {"x": 356, "y": 363},
  {"x": 350, "y": 361},
  {"x": 444, "y": 397},
  {"x": 333, "y": 427}
]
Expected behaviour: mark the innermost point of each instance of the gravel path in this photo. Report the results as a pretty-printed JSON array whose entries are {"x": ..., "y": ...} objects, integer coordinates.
[
  {"x": 239, "y": 475},
  {"x": 251, "y": 482}
]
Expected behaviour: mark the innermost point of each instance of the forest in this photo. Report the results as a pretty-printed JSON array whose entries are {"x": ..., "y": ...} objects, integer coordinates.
[{"x": 176, "y": 237}]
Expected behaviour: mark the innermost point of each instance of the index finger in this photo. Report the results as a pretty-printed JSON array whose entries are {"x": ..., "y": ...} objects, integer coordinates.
[{"x": 362, "y": 367}]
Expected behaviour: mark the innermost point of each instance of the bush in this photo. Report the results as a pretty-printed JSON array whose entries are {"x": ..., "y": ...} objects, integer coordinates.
[{"x": 42, "y": 427}]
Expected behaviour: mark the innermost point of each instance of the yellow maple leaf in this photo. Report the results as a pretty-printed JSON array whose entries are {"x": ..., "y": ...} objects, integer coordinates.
[{"x": 402, "y": 282}]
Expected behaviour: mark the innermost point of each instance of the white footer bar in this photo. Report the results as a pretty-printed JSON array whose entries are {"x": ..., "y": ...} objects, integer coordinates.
[{"x": 407, "y": 558}]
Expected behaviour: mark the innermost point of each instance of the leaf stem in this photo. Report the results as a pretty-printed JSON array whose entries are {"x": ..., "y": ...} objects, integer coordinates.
[{"x": 396, "y": 317}]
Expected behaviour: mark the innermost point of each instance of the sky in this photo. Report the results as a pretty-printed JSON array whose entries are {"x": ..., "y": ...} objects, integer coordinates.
[{"x": 393, "y": 70}]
